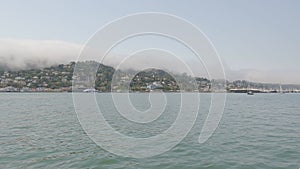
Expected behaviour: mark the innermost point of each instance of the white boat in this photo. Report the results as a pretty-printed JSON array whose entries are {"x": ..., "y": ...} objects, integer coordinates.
[
  {"x": 280, "y": 90},
  {"x": 249, "y": 90},
  {"x": 250, "y": 93},
  {"x": 90, "y": 90}
]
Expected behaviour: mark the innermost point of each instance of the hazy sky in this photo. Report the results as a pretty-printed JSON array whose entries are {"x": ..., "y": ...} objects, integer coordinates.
[{"x": 258, "y": 40}]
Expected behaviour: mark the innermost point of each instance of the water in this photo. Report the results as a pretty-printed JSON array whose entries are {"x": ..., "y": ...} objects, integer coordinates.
[{"x": 42, "y": 131}]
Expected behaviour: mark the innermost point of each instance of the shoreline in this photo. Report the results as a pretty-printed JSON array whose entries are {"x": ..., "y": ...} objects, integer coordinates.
[{"x": 145, "y": 92}]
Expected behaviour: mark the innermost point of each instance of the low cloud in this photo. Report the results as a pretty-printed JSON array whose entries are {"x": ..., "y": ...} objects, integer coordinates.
[
  {"x": 16, "y": 54},
  {"x": 265, "y": 76}
]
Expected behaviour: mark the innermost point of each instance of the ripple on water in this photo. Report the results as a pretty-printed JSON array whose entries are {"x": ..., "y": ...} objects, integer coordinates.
[{"x": 42, "y": 131}]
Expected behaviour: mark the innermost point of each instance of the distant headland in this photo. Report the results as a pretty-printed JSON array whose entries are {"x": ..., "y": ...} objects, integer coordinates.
[{"x": 59, "y": 79}]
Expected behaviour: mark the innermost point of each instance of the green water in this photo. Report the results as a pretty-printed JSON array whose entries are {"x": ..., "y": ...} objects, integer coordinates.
[{"x": 42, "y": 131}]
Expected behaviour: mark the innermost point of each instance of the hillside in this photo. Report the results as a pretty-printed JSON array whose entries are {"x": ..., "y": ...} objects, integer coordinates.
[{"x": 59, "y": 78}]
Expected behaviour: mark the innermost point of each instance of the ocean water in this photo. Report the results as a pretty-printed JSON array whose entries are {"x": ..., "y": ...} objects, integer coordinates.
[{"x": 41, "y": 130}]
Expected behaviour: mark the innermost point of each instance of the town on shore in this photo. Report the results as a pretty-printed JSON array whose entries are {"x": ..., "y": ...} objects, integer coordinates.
[{"x": 59, "y": 78}]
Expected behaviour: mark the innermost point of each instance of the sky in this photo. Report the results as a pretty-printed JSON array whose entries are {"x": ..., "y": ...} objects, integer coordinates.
[{"x": 257, "y": 40}]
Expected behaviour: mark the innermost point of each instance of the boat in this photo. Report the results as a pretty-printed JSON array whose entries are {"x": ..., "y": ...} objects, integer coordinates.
[
  {"x": 250, "y": 93},
  {"x": 249, "y": 90},
  {"x": 280, "y": 90},
  {"x": 90, "y": 90}
]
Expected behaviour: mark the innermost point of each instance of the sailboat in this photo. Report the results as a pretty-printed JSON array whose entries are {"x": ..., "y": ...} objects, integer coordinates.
[
  {"x": 280, "y": 90},
  {"x": 91, "y": 89},
  {"x": 249, "y": 91}
]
